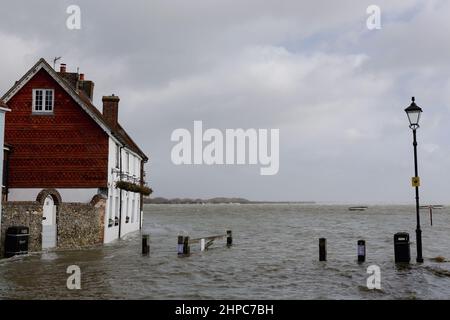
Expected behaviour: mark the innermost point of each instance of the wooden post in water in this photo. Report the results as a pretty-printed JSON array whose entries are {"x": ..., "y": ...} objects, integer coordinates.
[
  {"x": 361, "y": 250},
  {"x": 202, "y": 245},
  {"x": 229, "y": 238},
  {"x": 322, "y": 249},
  {"x": 431, "y": 215},
  {"x": 145, "y": 244},
  {"x": 180, "y": 245},
  {"x": 186, "y": 248}
]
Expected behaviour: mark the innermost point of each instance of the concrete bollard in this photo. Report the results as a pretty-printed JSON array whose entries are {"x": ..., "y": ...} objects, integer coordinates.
[
  {"x": 186, "y": 248},
  {"x": 229, "y": 238},
  {"x": 361, "y": 250},
  {"x": 322, "y": 249},
  {"x": 180, "y": 244},
  {"x": 145, "y": 244}
]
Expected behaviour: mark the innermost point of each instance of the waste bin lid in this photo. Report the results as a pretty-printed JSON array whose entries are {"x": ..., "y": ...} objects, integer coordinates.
[
  {"x": 17, "y": 230},
  {"x": 402, "y": 236}
]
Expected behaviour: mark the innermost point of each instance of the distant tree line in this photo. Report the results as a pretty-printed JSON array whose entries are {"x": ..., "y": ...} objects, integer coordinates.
[{"x": 217, "y": 200}]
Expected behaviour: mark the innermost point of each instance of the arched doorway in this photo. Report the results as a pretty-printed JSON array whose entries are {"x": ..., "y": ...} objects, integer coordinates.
[
  {"x": 50, "y": 199},
  {"x": 49, "y": 223}
]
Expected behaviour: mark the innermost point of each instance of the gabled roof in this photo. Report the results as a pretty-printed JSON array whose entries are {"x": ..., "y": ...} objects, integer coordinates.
[{"x": 81, "y": 98}]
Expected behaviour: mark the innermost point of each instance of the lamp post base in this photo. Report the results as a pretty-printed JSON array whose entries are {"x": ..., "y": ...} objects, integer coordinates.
[{"x": 419, "y": 258}]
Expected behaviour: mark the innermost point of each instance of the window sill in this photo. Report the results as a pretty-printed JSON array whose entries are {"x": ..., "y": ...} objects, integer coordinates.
[{"x": 42, "y": 113}]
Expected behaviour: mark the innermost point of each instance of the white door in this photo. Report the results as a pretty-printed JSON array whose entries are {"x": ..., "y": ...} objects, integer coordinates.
[{"x": 49, "y": 224}]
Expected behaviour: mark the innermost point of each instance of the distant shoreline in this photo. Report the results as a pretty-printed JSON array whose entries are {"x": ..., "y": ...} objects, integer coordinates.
[
  {"x": 224, "y": 200},
  {"x": 218, "y": 200}
]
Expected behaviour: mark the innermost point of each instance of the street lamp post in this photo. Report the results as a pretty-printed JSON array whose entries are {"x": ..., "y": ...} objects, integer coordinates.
[{"x": 413, "y": 112}]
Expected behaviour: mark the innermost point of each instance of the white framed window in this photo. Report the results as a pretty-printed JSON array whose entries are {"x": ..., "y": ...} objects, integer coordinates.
[
  {"x": 138, "y": 204},
  {"x": 131, "y": 164},
  {"x": 127, "y": 162},
  {"x": 43, "y": 100},
  {"x": 137, "y": 167},
  {"x": 116, "y": 208},
  {"x": 133, "y": 210},
  {"x": 125, "y": 209},
  {"x": 117, "y": 156},
  {"x": 110, "y": 211}
]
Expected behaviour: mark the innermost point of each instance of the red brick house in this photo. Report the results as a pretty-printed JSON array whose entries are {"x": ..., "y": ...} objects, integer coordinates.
[{"x": 59, "y": 141}]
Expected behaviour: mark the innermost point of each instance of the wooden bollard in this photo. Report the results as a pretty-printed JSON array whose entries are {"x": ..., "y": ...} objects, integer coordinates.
[
  {"x": 186, "y": 248},
  {"x": 431, "y": 215},
  {"x": 180, "y": 245},
  {"x": 202, "y": 245},
  {"x": 322, "y": 249},
  {"x": 361, "y": 250},
  {"x": 145, "y": 244},
  {"x": 229, "y": 238}
]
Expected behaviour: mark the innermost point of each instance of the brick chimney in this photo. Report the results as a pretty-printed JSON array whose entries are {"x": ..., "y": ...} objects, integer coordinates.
[
  {"x": 87, "y": 86},
  {"x": 62, "y": 68},
  {"x": 111, "y": 109}
]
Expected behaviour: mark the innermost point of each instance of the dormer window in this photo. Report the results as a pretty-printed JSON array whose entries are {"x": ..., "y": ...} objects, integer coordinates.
[{"x": 43, "y": 100}]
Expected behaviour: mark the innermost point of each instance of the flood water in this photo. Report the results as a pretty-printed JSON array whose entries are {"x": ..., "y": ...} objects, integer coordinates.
[{"x": 274, "y": 256}]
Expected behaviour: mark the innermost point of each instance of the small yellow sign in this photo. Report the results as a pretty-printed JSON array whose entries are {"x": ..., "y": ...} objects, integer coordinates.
[{"x": 415, "y": 181}]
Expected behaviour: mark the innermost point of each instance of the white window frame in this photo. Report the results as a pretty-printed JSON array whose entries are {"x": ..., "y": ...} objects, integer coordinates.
[
  {"x": 111, "y": 211},
  {"x": 127, "y": 161},
  {"x": 44, "y": 97},
  {"x": 117, "y": 156},
  {"x": 131, "y": 165},
  {"x": 136, "y": 167},
  {"x": 116, "y": 207}
]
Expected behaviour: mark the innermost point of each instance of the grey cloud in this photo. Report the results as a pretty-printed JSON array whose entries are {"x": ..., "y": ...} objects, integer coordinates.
[{"x": 334, "y": 89}]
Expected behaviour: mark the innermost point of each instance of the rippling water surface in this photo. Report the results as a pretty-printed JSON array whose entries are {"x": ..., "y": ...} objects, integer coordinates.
[{"x": 274, "y": 256}]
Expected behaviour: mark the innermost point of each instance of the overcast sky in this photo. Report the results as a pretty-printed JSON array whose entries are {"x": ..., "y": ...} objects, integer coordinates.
[{"x": 312, "y": 69}]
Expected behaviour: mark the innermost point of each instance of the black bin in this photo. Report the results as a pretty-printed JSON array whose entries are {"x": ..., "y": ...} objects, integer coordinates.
[
  {"x": 16, "y": 241},
  {"x": 402, "y": 247}
]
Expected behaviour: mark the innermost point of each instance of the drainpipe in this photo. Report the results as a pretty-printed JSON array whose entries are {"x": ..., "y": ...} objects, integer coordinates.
[
  {"x": 6, "y": 152},
  {"x": 120, "y": 192},
  {"x": 141, "y": 197}
]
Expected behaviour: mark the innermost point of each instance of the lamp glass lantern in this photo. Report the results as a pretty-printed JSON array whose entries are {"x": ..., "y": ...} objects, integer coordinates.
[{"x": 413, "y": 112}]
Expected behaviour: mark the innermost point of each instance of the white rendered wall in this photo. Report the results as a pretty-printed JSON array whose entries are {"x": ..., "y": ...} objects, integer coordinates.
[
  {"x": 111, "y": 233},
  {"x": 127, "y": 199}
]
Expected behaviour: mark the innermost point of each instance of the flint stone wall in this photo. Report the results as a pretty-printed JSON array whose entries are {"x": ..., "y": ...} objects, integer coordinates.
[
  {"x": 28, "y": 214},
  {"x": 79, "y": 225}
]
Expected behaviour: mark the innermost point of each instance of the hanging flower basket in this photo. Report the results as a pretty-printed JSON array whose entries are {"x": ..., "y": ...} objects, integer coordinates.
[{"x": 133, "y": 187}]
